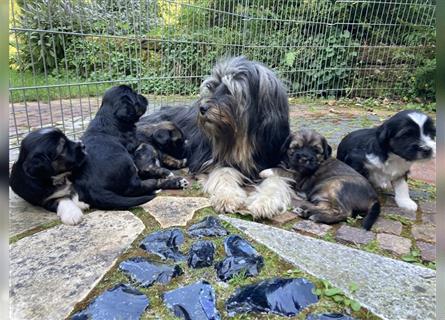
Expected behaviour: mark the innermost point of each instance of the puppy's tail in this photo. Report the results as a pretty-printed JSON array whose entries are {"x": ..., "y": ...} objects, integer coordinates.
[
  {"x": 108, "y": 200},
  {"x": 371, "y": 216}
]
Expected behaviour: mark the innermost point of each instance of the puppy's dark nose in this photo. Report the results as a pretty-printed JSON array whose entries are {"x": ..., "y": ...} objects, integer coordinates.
[{"x": 203, "y": 108}]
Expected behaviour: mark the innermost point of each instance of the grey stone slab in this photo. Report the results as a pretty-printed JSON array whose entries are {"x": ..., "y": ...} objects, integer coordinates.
[
  {"x": 354, "y": 235},
  {"x": 411, "y": 215},
  {"x": 175, "y": 211},
  {"x": 390, "y": 288},
  {"x": 427, "y": 251},
  {"x": 424, "y": 232},
  {"x": 52, "y": 270},
  {"x": 394, "y": 244},
  {"x": 428, "y": 207},
  {"x": 308, "y": 226},
  {"x": 23, "y": 216},
  {"x": 388, "y": 226}
]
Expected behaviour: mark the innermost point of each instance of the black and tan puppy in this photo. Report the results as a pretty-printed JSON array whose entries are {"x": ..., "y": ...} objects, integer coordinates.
[
  {"x": 109, "y": 177},
  {"x": 42, "y": 173},
  {"x": 166, "y": 138},
  {"x": 335, "y": 190}
]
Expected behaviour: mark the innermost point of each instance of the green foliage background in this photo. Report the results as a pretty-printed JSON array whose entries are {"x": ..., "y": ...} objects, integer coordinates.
[{"x": 323, "y": 47}]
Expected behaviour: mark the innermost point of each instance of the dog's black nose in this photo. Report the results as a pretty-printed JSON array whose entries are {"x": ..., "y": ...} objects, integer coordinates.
[{"x": 203, "y": 108}]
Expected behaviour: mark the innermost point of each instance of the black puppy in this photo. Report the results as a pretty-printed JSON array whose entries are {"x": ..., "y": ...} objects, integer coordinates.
[
  {"x": 385, "y": 154},
  {"x": 41, "y": 175},
  {"x": 109, "y": 178},
  {"x": 335, "y": 190}
]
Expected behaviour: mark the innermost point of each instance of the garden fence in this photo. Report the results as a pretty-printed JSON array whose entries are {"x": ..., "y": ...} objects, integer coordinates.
[{"x": 65, "y": 53}]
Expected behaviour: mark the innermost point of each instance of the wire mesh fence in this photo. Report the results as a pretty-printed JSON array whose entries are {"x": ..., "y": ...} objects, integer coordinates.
[{"x": 65, "y": 53}]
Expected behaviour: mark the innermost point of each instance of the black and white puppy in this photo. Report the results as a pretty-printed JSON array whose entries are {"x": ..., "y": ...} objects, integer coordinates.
[
  {"x": 386, "y": 153},
  {"x": 109, "y": 177},
  {"x": 334, "y": 190},
  {"x": 41, "y": 175}
]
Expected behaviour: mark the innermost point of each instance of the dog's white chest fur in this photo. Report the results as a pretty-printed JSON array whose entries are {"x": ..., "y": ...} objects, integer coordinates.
[{"x": 381, "y": 174}]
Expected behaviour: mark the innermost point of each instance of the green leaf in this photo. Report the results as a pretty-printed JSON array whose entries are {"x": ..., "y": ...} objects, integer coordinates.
[
  {"x": 355, "y": 305},
  {"x": 332, "y": 292},
  {"x": 338, "y": 298},
  {"x": 353, "y": 287}
]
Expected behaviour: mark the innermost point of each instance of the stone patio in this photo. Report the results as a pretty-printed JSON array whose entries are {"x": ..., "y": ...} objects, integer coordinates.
[{"x": 78, "y": 257}]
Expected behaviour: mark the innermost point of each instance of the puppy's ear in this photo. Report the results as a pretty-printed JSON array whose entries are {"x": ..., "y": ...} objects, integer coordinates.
[
  {"x": 327, "y": 150},
  {"x": 38, "y": 166},
  {"x": 161, "y": 137},
  {"x": 142, "y": 101},
  {"x": 383, "y": 134}
]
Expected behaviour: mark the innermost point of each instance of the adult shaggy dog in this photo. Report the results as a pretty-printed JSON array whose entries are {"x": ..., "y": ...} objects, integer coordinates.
[{"x": 234, "y": 131}]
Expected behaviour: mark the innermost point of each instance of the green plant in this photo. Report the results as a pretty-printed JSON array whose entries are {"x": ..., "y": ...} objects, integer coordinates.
[{"x": 338, "y": 296}]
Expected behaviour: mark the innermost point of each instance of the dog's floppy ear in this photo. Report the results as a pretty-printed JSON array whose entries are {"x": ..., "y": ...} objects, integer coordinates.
[
  {"x": 383, "y": 134},
  {"x": 38, "y": 165},
  {"x": 327, "y": 150},
  {"x": 161, "y": 137}
]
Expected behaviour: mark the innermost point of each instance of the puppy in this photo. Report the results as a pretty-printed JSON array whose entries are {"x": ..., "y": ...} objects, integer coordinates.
[
  {"x": 41, "y": 175},
  {"x": 386, "y": 153},
  {"x": 147, "y": 161},
  {"x": 109, "y": 177},
  {"x": 168, "y": 140},
  {"x": 335, "y": 190}
]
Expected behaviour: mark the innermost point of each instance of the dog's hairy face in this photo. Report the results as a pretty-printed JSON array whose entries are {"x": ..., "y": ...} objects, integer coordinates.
[
  {"x": 48, "y": 152},
  {"x": 124, "y": 103},
  {"x": 409, "y": 134},
  {"x": 305, "y": 150}
]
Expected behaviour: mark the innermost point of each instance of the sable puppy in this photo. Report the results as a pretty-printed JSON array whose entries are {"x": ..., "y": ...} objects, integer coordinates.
[
  {"x": 335, "y": 190},
  {"x": 109, "y": 178},
  {"x": 386, "y": 153},
  {"x": 41, "y": 175},
  {"x": 146, "y": 158},
  {"x": 168, "y": 140}
]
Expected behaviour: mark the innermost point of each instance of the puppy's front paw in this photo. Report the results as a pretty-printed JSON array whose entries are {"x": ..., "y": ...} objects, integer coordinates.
[
  {"x": 228, "y": 203},
  {"x": 69, "y": 212},
  {"x": 302, "y": 212},
  {"x": 183, "y": 183},
  {"x": 406, "y": 203}
]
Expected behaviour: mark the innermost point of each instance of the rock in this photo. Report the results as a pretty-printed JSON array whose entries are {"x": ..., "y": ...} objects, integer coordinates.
[
  {"x": 427, "y": 251},
  {"x": 424, "y": 232},
  {"x": 195, "y": 302},
  {"x": 283, "y": 218},
  {"x": 394, "y": 244},
  {"x": 378, "y": 278},
  {"x": 308, "y": 226},
  {"x": 52, "y": 270},
  {"x": 429, "y": 218},
  {"x": 23, "y": 216},
  {"x": 210, "y": 226},
  {"x": 120, "y": 302},
  {"x": 175, "y": 211},
  {"x": 165, "y": 244},
  {"x": 328, "y": 316},
  {"x": 145, "y": 273},
  {"x": 410, "y": 215},
  {"x": 201, "y": 254},
  {"x": 285, "y": 297},
  {"x": 428, "y": 207},
  {"x": 241, "y": 257},
  {"x": 354, "y": 235},
  {"x": 388, "y": 226}
]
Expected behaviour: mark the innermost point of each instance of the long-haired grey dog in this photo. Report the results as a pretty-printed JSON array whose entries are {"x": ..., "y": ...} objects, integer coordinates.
[{"x": 235, "y": 130}]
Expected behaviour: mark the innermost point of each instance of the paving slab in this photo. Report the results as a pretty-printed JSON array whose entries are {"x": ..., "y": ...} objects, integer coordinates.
[
  {"x": 394, "y": 244},
  {"x": 378, "y": 278},
  {"x": 354, "y": 235},
  {"x": 388, "y": 226},
  {"x": 52, "y": 270},
  {"x": 311, "y": 227},
  {"x": 175, "y": 211},
  {"x": 390, "y": 209},
  {"x": 424, "y": 232},
  {"x": 427, "y": 251},
  {"x": 283, "y": 218},
  {"x": 23, "y": 216}
]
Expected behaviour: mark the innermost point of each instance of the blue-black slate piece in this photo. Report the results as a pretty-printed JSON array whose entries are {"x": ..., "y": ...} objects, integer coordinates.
[
  {"x": 241, "y": 258},
  {"x": 286, "y": 297},
  {"x": 210, "y": 226},
  {"x": 201, "y": 254},
  {"x": 328, "y": 316},
  {"x": 193, "y": 302},
  {"x": 120, "y": 302},
  {"x": 165, "y": 244},
  {"x": 145, "y": 273}
]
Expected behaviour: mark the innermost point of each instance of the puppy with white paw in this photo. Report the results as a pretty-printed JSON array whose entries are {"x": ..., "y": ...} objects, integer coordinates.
[{"x": 385, "y": 154}]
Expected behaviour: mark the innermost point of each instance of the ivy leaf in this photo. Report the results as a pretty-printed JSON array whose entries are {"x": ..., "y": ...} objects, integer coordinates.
[
  {"x": 355, "y": 305},
  {"x": 332, "y": 292},
  {"x": 353, "y": 287}
]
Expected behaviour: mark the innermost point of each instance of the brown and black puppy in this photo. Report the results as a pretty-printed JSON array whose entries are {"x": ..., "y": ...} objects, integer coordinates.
[
  {"x": 167, "y": 139},
  {"x": 335, "y": 190}
]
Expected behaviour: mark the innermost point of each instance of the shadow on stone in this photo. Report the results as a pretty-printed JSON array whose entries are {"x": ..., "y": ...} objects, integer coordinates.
[
  {"x": 201, "y": 254},
  {"x": 286, "y": 297},
  {"x": 241, "y": 258},
  {"x": 193, "y": 302},
  {"x": 145, "y": 273},
  {"x": 120, "y": 302},
  {"x": 165, "y": 244},
  {"x": 328, "y": 316},
  {"x": 207, "y": 227}
]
